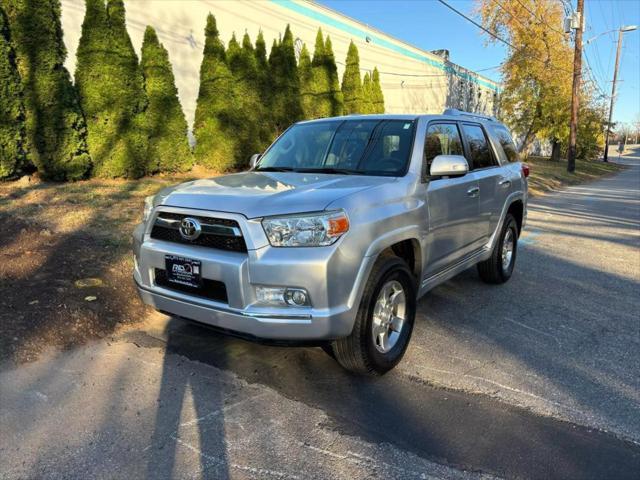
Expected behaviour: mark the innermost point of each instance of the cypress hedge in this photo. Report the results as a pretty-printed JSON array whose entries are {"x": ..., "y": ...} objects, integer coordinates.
[
  {"x": 248, "y": 111},
  {"x": 216, "y": 142},
  {"x": 367, "y": 101},
  {"x": 335, "y": 93},
  {"x": 308, "y": 87},
  {"x": 111, "y": 88},
  {"x": 55, "y": 127},
  {"x": 285, "y": 105},
  {"x": 352, "y": 83},
  {"x": 12, "y": 125},
  {"x": 376, "y": 92},
  {"x": 166, "y": 127}
]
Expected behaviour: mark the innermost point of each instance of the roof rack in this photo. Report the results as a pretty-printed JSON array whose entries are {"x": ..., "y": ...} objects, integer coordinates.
[{"x": 455, "y": 111}]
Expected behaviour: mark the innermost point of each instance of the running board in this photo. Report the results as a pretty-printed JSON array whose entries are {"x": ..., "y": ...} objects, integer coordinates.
[{"x": 452, "y": 270}]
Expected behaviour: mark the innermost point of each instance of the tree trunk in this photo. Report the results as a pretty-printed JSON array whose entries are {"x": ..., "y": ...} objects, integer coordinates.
[{"x": 555, "y": 150}]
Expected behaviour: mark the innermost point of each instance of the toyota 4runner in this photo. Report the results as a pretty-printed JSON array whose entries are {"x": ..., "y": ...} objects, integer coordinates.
[{"x": 336, "y": 231}]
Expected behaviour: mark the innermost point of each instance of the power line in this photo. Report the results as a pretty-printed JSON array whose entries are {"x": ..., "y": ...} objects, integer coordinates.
[
  {"x": 540, "y": 19},
  {"x": 494, "y": 35}
]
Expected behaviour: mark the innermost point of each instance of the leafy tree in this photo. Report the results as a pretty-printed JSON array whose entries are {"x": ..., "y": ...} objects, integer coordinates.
[
  {"x": 351, "y": 82},
  {"x": 377, "y": 96},
  {"x": 537, "y": 74},
  {"x": 308, "y": 94},
  {"x": 367, "y": 100},
  {"x": 12, "y": 127},
  {"x": 335, "y": 93},
  {"x": 166, "y": 127},
  {"x": 321, "y": 105},
  {"x": 216, "y": 142},
  {"x": 55, "y": 127},
  {"x": 111, "y": 89},
  {"x": 285, "y": 106}
]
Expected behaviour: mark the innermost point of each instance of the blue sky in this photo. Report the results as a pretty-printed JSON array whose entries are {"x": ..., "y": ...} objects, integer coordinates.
[{"x": 430, "y": 25}]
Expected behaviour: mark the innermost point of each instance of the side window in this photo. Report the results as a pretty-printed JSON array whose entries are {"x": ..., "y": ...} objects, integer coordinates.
[
  {"x": 479, "y": 154},
  {"x": 442, "y": 139},
  {"x": 506, "y": 143}
]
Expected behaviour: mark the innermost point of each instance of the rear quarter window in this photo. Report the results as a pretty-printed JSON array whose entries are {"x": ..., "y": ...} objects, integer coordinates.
[{"x": 507, "y": 150}]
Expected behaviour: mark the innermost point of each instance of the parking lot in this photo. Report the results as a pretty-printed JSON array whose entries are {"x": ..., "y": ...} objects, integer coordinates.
[{"x": 536, "y": 378}]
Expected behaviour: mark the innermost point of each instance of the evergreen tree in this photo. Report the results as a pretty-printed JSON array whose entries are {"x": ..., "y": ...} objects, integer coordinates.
[
  {"x": 166, "y": 127},
  {"x": 308, "y": 97},
  {"x": 367, "y": 103},
  {"x": 322, "y": 105},
  {"x": 12, "y": 128},
  {"x": 216, "y": 142},
  {"x": 112, "y": 94},
  {"x": 285, "y": 105},
  {"x": 55, "y": 128},
  {"x": 351, "y": 82},
  {"x": 336, "y": 97},
  {"x": 376, "y": 92},
  {"x": 248, "y": 112},
  {"x": 264, "y": 90}
]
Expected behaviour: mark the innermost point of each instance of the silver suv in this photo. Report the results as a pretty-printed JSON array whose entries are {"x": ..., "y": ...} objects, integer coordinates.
[{"x": 336, "y": 231}]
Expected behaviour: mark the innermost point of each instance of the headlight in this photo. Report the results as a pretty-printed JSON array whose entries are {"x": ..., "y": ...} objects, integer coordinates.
[
  {"x": 148, "y": 206},
  {"x": 315, "y": 230}
]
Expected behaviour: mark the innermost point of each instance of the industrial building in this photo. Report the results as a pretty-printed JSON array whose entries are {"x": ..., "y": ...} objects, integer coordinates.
[{"x": 412, "y": 80}]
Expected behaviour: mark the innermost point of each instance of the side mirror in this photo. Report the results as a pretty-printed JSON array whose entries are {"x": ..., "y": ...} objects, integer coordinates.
[
  {"x": 254, "y": 160},
  {"x": 449, "y": 166}
]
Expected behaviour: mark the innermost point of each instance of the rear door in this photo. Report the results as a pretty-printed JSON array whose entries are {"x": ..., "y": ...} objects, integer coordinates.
[
  {"x": 452, "y": 202},
  {"x": 494, "y": 186}
]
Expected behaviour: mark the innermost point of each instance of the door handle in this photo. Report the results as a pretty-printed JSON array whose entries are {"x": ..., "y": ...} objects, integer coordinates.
[
  {"x": 473, "y": 191},
  {"x": 504, "y": 183}
]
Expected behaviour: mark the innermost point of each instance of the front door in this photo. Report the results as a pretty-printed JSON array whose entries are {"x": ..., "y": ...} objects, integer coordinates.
[{"x": 452, "y": 203}]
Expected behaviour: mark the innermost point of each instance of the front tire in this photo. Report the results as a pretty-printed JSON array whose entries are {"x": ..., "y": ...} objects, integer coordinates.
[
  {"x": 499, "y": 267},
  {"x": 384, "y": 321}
]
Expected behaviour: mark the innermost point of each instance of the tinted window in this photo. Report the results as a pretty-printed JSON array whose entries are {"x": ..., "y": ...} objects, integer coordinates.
[
  {"x": 506, "y": 143},
  {"x": 479, "y": 154},
  {"x": 369, "y": 147},
  {"x": 442, "y": 139}
]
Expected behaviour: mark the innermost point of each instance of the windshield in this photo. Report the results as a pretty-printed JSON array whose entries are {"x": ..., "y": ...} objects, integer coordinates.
[{"x": 364, "y": 147}]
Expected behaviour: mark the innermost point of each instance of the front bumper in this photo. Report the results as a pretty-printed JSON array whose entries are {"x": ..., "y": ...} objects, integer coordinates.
[{"x": 332, "y": 279}]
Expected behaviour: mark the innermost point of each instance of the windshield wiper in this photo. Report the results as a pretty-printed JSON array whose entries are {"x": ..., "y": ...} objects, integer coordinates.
[
  {"x": 343, "y": 171},
  {"x": 276, "y": 169}
]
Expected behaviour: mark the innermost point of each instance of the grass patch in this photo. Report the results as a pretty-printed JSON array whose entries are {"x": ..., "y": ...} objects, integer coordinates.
[{"x": 547, "y": 175}]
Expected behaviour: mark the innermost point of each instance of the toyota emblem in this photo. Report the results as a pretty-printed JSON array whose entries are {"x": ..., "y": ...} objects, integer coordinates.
[{"x": 190, "y": 228}]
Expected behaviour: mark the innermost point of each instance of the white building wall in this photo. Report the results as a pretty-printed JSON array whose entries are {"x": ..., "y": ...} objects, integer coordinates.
[{"x": 413, "y": 81}]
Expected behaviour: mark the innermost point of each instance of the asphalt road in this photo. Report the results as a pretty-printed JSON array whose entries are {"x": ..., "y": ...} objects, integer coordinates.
[{"x": 538, "y": 378}]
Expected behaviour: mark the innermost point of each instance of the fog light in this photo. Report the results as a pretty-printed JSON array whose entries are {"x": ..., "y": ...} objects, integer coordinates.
[{"x": 282, "y": 296}]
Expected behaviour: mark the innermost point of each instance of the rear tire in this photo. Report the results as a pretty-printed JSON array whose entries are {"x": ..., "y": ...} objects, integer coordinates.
[
  {"x": 499, "y": 267},
  {"x": 384, "y": 321}
]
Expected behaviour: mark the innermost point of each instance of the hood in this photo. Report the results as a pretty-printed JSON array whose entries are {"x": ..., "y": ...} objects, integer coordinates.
[{"x": 261, "y": 194}]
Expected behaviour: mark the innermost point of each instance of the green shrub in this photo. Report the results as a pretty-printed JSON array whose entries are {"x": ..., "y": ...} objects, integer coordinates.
[
  {"x": 111, "y": 88},
  {"x": 351, "y": 82},
  {"x": 335, "y": 92},
  {"x": 12, "y": 127},
  {"x": 376, "y": 92},
  {"x": 264, "y": 90},
  {"x": 55, "y": 127},
  {"x": 248, "y": 111},
  {"x": 166, "y": 127},
  {"x": 216, "y": 142},
  {"x": 285, "y": 104},
  {"x": 308, "y": 98},
  {"x": 367, "y": 101}
]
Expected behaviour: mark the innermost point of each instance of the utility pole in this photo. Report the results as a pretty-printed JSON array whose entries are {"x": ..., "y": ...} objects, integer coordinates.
[
  {"x": 613, "y": 96},
  {"x": 575, "y": 94}
]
